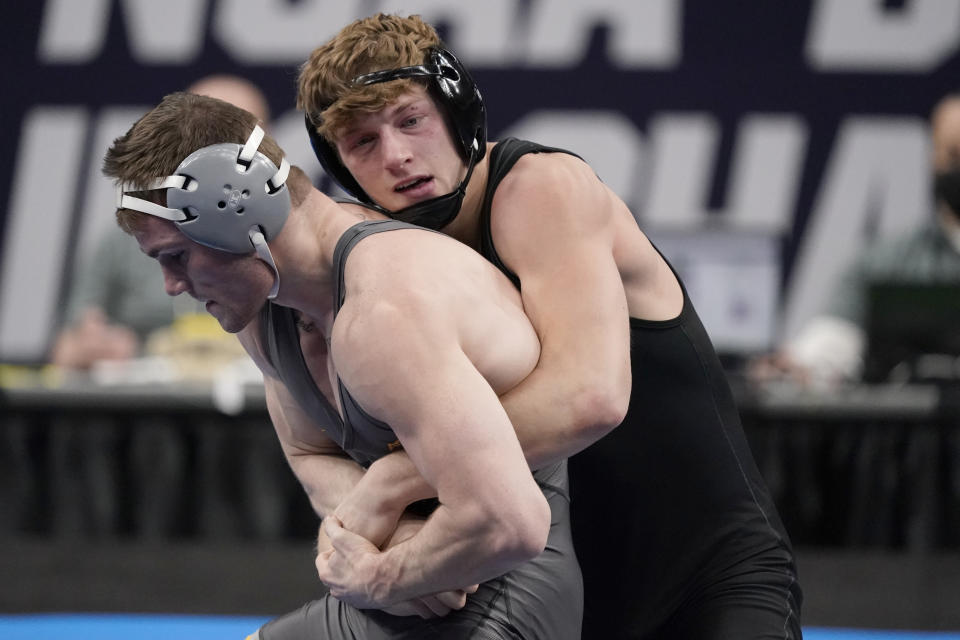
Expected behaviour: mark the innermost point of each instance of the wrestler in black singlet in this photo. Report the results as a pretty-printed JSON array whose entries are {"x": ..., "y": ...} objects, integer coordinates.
[
  {"x": 539, "y": 600},
  {"x": 675, "y": 530}
]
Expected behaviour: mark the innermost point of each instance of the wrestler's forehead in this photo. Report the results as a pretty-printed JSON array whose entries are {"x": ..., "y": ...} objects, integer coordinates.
[
  {"x": 155, "y": 235},
  {"x": 416, "y": 98}
]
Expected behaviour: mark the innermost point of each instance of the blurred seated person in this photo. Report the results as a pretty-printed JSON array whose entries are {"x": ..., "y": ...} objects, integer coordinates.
[
  {"x": 831, "y": 347},
  {"x": 117, "y": 308}
]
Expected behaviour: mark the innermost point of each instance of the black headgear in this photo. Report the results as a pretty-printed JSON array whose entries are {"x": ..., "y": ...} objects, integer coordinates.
[{"x": 451, "y": 86}]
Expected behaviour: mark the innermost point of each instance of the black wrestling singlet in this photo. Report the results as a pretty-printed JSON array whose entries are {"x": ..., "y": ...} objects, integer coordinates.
[{"x": 669, "y": 511}]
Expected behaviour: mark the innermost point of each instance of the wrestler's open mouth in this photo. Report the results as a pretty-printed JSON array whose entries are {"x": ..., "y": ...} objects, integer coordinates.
[{"x": 413, "y": 183}]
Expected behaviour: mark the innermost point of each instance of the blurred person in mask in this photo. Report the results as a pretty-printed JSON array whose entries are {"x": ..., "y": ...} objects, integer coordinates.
[
  {"x": 117, "y": 312},
  {"x": 831, "y": 347}
]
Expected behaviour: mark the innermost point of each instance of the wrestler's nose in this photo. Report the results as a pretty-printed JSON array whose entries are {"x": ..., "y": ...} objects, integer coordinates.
[
  {"x": 395, "y": 151},
  {"x": 174, "y": 284}
]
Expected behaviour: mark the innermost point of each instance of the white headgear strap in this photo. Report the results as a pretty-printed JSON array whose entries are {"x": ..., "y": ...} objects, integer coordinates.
[{"x": 223, "y": 196}]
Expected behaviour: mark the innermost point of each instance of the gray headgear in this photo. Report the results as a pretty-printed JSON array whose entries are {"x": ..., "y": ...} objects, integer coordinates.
[{"x": 225, "y": 196}]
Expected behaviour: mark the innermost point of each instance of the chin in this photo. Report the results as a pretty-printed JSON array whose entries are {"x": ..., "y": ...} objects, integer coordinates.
[
  {"x": 230, "y": 328},
  {"x": 230, "y": 325}
]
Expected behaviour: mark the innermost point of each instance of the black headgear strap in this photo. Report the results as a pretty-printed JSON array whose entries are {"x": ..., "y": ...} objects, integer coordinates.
[{"x": 437, "y": 212}]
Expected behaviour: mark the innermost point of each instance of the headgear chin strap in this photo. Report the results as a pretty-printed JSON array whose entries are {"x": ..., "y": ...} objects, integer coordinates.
[
  {"x": 462, "y": 105},
  {"x": 224, "y": 196}
]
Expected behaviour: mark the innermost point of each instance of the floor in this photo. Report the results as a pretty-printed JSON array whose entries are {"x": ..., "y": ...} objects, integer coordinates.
[{"x": 141, "y": 590}]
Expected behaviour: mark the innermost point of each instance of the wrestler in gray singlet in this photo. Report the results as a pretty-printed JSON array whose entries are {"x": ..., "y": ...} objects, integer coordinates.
[{"x": 542, "y": 599}]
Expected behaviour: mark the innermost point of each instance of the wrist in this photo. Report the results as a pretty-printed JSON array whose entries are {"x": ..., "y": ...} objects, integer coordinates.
[
  {"x": 385, "y": 582},
  {"x": 398, "y": 483}
]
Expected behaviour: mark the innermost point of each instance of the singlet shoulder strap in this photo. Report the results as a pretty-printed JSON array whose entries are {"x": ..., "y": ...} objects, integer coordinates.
[
  {"x": 281, "y": 343},
  {"x": 506, "y": 153}
]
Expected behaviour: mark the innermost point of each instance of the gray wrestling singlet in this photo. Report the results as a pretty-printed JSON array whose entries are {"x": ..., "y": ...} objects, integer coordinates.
[{"x": 540, "y": 600}]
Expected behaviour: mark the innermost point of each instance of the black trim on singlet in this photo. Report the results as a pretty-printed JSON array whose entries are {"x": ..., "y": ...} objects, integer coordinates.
[{"x": 681, "y": 505}]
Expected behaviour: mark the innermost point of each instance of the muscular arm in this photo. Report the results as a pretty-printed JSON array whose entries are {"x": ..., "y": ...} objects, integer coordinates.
[
  {"x": 326, "y": 473},
  {"x": 553, "y": 225},
  {"x": 492, "y": 516},
  {"x": 554, "y": 229}
]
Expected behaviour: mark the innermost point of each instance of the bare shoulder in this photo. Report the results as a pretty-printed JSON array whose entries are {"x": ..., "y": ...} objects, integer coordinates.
[
  {"x": 414, "y": 270},
  {"x": 540, "y": 171},
  {"x": 388, "y": 287},
  {"x": 381, "y": 342},
  {"x": 555, "y": 189},
  {"x": 397, "y": 303},
  {"x": 417, "y": 284}
]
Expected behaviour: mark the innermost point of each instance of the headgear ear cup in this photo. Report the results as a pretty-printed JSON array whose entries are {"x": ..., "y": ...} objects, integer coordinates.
[
  {"x": 456, "y": 91},
  {"x": 225, "y": 196},
  {"x": 229, "y": 201},
  {"x": 456, "y": 95}
]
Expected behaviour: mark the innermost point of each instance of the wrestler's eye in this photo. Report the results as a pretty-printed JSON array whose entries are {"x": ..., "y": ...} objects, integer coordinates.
[
  {"x": 362, "y": 141},
  {"x": 173, "y": 258}
]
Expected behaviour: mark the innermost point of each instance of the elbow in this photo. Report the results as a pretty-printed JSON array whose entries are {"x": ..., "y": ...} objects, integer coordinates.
[
  {"x": 599, "y": 409},
  {"x": 531, "y": 536},
  {"x": 521, "y": 534}
]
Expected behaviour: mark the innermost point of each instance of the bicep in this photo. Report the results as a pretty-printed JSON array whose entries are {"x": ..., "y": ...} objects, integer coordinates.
[
  {"x": 444, "y": 412},
  {"x": 557, "y": 233}
]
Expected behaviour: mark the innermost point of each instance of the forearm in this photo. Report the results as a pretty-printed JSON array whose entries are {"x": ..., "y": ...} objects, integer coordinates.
[
  {"x": 377, "y": 501},
  {"x": 557, "y": 415},
  {"x": 544, "y": 422},
  {"x": 549, "y": 424},
  {"x": 580, "y": 388},
  {"x": 324, "y": 470},
  {"x": 326, "y": 478},
  {"x": 454, "y": 548}
]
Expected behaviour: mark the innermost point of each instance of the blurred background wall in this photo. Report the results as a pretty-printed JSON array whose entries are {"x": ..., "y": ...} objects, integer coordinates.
[{"x": 759, "y": 143}]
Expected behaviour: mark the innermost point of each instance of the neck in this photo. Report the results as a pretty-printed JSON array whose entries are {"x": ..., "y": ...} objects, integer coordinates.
[
  {"x": 466, "y": 226},
  {"x": 304, "y": 255}
]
